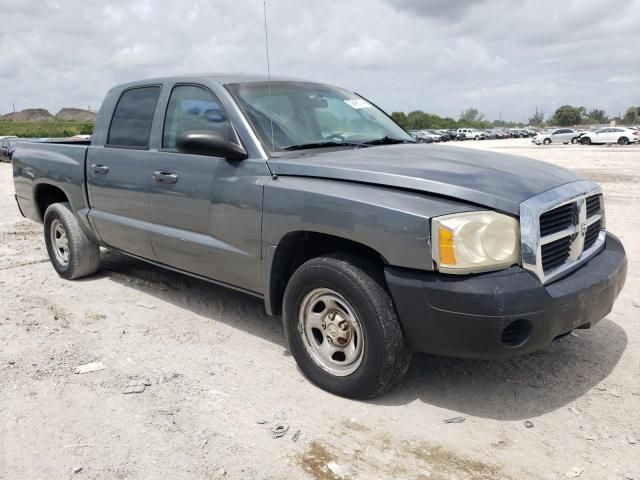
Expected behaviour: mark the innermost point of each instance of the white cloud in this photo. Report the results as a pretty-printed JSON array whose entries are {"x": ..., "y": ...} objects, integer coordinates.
[{"x": 403, "y": 54}]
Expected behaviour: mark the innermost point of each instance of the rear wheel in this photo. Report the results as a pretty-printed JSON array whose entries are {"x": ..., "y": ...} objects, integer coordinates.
[
  {"x": 586, "y": 141},
  {"x": 575, "y": 140},
  {"x": 546, "y": 141},
  {"x": 72, "y": 254},
  {"x": 623, "y": 141},
  {"x": 342, "y": 329}
]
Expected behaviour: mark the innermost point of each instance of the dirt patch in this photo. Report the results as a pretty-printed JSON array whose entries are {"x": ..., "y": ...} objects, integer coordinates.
[
  {"x": 316, "y": 460},
  {"x": 444, "y": 464}
]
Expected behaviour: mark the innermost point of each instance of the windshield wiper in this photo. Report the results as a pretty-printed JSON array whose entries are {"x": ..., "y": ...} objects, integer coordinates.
[
  {"x": 387, "y": 140},
  {"x": 304, "y": 146}
]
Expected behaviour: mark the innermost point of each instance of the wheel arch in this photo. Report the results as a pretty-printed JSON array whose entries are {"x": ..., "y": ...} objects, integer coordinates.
[
  {"x": 297, "y": 247},
  {"x": 46, "y": 194}
]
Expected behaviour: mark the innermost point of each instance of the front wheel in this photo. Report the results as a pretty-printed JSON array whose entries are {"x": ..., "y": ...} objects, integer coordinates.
[
  {"x": 546, "y": 141},
  {"x": 72, "y": 254},
  {"x": 342, "y": 329},
  {"x": 623, "y": 141},
  {"x": 586, "y": 141}
]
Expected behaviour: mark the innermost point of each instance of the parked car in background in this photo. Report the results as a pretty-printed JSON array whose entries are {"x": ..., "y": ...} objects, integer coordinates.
[
  {"x": 446, "y": 135},
  {"x": 500, "y": 134},
  {"x": 415, "y": 135},
  {"x": 442, "y": 136},
  {"x": 619, "y": 135},
  {"x": 421, "y": 136},
  {"x": 471, "y": 134},
  {"x": 461, "y": 133},
  {"x": 453, "y": 133},
  {"x": 438, "y": 137},
  {"x": 7, "y": 146},
  {"x": 558, "y": 135}
]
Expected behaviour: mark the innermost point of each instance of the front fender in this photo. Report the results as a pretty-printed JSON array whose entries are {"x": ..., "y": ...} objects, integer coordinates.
[{"x": 395, "y": 223}]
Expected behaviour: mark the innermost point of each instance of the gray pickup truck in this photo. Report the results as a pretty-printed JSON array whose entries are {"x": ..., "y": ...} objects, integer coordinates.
[{"x": 309, "y": 196}]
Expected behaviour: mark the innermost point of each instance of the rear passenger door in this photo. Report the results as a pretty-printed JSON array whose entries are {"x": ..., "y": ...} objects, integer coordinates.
[{"x": 117, "y": 174}]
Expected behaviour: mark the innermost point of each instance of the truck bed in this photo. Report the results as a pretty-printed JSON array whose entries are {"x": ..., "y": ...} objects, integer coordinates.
[{"x": 53, "y": 163}]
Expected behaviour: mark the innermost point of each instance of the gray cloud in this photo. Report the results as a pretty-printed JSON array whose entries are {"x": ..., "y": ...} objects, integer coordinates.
[
  {"x": 448, "y": 9},
  {"x": 438, "y": 56}
]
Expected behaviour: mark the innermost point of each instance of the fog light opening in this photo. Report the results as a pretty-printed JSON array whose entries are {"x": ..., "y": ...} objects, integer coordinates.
[{"x": 516, "y": 333}]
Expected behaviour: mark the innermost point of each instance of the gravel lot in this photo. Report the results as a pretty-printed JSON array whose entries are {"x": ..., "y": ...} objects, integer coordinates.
[{"x": 220, "y": 380}]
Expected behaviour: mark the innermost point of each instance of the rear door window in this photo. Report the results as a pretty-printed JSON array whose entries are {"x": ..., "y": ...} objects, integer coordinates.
[{"x": 133, "y": 116}]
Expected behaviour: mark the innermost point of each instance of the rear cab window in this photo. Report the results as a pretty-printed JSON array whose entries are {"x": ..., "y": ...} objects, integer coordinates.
[{"x": 133, "y": 116}]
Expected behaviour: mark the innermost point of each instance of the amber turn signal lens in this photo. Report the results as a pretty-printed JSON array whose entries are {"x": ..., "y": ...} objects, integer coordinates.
[{"x": 445, "y": 247}]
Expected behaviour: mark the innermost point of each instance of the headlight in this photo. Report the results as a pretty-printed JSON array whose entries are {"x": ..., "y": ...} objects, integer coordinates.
[{"x": 474, "y": 242}]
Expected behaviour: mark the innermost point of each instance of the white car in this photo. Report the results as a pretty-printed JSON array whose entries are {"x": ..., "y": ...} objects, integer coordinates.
[
  {"x": 620, "y": 135},
  {"x": 471, "y": 134},
  {"x": 558, "y": 135}
]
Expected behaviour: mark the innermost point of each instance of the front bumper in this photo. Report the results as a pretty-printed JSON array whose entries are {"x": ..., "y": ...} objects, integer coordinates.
[{"x": 506, "y": 313}]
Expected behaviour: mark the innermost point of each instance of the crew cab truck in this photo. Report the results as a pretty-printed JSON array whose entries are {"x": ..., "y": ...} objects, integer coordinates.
[{"x": 369, "y": 245}]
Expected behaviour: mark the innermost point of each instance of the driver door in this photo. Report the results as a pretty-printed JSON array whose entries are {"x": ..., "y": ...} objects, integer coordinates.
[{"x": 205, "y": 210}]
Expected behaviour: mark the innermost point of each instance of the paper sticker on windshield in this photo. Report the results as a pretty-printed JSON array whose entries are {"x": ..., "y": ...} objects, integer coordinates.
[{"x": 358, "y": 103}]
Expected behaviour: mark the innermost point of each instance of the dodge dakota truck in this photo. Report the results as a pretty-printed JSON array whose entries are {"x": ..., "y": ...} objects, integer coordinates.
[{"x": 369, "y": 245}]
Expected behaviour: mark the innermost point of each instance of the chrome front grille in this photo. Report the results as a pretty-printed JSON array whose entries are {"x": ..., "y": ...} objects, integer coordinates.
[
  {"x": 561, "y": 228},
  {"x": 555, "y": 253},
  {"x": 592, "y": 234},
  {"x": 557, "y": 219}
]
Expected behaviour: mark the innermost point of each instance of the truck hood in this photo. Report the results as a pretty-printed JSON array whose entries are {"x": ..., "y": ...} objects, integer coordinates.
[{"x": 493, "y": 180}]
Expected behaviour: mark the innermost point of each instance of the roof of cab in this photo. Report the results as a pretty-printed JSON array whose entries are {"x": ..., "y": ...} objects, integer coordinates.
[{"x": 221, "y": 78}]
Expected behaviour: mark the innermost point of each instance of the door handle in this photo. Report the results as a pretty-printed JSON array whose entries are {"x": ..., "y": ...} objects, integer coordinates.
[
  {"x": 165, "y": 177},
  {"x": 100, "y": 169}
]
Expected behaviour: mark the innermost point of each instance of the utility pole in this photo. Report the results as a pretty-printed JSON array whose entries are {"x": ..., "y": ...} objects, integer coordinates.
[{"x": 14, "y": 107}]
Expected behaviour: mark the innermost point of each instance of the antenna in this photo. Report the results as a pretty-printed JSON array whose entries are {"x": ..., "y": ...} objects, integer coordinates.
[{"x": 266, "y": 42}]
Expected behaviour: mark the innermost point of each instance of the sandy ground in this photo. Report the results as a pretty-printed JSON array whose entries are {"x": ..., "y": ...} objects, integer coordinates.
[{"x": 220, "y": 380}]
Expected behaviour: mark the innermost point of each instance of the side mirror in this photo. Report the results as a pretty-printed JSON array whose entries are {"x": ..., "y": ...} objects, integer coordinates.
[{"x": 204, "y": 142}]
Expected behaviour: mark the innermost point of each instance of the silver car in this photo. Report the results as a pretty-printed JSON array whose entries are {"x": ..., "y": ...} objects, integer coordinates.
[{"x": 559, "y": 135}]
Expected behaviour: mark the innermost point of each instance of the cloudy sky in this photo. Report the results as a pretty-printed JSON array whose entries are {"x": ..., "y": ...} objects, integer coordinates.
[{"x": 503, "y": 57}]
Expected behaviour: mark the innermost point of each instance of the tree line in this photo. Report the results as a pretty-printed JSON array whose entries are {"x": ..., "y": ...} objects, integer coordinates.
[{"x": 566, "y": 115}]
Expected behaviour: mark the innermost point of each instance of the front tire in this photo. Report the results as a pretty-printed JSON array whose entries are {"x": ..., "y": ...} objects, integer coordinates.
[
  {"x": 586, "y": 141},
  {"x": 342, "y": 329},
  {"x": 546, "y": 141},
  {"x": 72, "y": 254}
]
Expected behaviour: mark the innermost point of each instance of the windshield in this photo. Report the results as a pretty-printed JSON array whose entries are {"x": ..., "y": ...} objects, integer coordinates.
[{"x": 311, "y": 115}]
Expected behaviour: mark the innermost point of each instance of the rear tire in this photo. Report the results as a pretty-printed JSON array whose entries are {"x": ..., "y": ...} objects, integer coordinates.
[
  {"x": 623, "y": 141},
  {"x": 70, "y": 251},
  {"x": 574, "y": 140},
  {"x": 348, "y": 290}
]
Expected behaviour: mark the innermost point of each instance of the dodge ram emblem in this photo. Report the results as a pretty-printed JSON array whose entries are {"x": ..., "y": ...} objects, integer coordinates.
[{"x": 583, "y": 229}]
